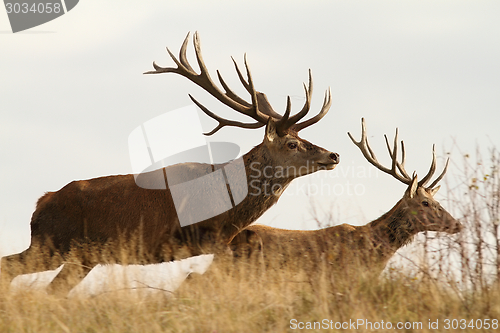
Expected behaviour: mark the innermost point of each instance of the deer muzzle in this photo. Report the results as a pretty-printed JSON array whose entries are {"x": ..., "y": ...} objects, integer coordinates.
[{"x": 330, "y": 162}]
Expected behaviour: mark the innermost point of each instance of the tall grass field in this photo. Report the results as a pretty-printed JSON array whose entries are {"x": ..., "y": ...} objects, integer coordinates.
[{"x": 450, "y": 285}]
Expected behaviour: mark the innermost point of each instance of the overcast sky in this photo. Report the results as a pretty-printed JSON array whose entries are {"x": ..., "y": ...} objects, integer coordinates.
[{"x": 72, "y": 90}]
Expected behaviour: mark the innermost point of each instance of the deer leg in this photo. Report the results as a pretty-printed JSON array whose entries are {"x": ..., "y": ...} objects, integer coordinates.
[
  {"x": 71, "y": 274},
  {"x": 247, "y": 245},
  {"x": 247, "y": 254},
  {"x": 33, "y": 260}
]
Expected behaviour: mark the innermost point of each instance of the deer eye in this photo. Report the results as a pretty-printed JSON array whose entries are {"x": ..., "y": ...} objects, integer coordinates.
[
  {"x": 425, "y": 203},
  {"x": 292, "y": 145}
]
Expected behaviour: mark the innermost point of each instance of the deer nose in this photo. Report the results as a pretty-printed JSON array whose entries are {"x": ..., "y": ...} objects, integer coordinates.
[{"x": 335, "y": 157}]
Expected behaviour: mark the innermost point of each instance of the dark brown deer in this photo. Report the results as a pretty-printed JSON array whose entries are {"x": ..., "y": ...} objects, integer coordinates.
[
  {"x": 345, "y": 246},
  {"x": 113, "y": 213}
]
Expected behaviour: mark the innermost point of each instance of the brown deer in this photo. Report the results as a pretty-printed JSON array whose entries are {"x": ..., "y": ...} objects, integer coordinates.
[
  {"x": 113, "y": 213},
  {"x": 346, "y": 246}
]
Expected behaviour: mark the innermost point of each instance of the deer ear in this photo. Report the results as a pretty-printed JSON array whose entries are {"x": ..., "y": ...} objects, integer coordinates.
[
  {"x": 271, "y": 131},
  {"x": 434, "y": 190},
  {"x": 412, "y": 189}
]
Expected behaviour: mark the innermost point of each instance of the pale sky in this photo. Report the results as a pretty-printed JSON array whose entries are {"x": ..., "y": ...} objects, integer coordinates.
[{"x": 72, "y": 90}]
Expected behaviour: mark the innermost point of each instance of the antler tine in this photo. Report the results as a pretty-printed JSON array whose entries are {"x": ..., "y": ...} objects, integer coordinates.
[
  {"x": 182, "y": 54},
  {"x": 183, "y": 67},
  {"x": 282, "y": 124},
  {"x": 203, "y": 69},
  {"x": 403, "y": 154},
  {"x": 240, "y": 75},
  {"x": 370, "y": 156},
  {"x": 288, "y": 122},
  {"x": 401, "y": 166},
  {"x": 203, "y": 79},
  {"x": 255, "y": 102},
  {"x": 265, "y": 109},
  {"x": 206, "y": 82},
  {"x": 434, "y": 183},
  {"x": 222, "y": 121},
  {"x": 327, "y": 102},
  {"x": 393, "y": 153},
  {"x": 286, "y": 115},
  {"x": 394, "y": 156},
  {"x": 250, "y": 110},
  {"x": 432, "y": 169},
  {"x": 307, "y": 104},
  {"x": 365, "y": 148},
  {"x": 230, "y": 93}
]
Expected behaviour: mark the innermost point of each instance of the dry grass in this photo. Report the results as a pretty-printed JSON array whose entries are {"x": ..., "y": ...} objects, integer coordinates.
[
  {"x": 238, "y": 298},
  {"x": 454, "y": 280}
]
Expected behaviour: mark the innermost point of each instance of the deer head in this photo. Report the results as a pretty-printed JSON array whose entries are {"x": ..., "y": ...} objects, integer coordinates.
[
  {"x": 286, "y": 150},
  {"x": 295, "y": 157},
  {"x": 422, "y": 212}
]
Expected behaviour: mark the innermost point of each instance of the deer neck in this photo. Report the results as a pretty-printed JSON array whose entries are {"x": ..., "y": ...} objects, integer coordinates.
[
  {"x": 266, "y": 179},
  {"x": 392, "y": 230},
  {"x": 265, "y": 187}
]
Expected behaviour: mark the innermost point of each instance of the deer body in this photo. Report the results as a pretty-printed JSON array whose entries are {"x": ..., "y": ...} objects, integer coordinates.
[
  {"x": 112, "y": 219},
  {"x": 345, "y": 246},
  {"x": 110, "y": 206}
]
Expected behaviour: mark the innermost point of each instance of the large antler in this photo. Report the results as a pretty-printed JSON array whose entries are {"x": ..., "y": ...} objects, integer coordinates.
[
  {"x": 397, "y": 169},
  {"x": 259, "y": 109}
]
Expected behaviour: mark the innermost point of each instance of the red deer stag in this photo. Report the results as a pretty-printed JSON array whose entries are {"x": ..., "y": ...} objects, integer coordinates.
[
  {"x": 111, "y": 213},
  {"x": 346, "y": 246}
]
